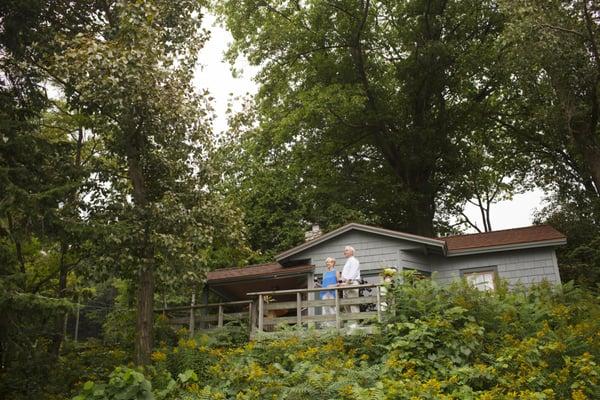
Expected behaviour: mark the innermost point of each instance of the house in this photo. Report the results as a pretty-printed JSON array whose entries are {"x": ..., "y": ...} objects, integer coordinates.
[{"x": 520, "y": 256}]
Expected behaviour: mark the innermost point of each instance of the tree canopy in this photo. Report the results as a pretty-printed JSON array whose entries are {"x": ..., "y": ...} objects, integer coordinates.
[{"x": 115, "y": 193}]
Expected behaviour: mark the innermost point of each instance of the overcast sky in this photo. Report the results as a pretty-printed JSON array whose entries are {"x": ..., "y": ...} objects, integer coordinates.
[{"x": 215, "y": 75}]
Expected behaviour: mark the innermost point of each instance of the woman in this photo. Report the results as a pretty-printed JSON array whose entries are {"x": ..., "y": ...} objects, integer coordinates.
[{"x": 330, "y": 279}]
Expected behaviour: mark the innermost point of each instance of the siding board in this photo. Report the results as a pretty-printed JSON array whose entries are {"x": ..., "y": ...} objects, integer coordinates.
[{"x": 376, "y": 252}]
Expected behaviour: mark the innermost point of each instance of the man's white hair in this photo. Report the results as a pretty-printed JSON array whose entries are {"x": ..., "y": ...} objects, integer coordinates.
[{"x": 350, "y": 248}]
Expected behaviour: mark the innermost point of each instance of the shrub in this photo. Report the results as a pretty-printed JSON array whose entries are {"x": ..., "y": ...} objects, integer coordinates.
[{"x": 436, "y": 342}]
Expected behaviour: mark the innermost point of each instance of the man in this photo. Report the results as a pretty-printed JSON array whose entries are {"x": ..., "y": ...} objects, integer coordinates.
[{"x": 351, "y": 276}]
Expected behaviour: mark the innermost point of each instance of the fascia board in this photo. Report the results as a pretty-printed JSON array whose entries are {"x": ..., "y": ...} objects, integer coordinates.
[{"x": 507, "y": 247}]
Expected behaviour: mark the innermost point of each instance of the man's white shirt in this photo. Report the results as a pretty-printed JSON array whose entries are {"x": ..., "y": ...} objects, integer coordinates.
[{"x": 351, "y": 271}]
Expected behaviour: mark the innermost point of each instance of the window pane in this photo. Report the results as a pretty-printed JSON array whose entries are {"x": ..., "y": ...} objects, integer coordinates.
[{"x": 481, "y": 280}]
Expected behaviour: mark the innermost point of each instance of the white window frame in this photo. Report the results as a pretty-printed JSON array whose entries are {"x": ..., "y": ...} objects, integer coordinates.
[{"x": 474, "y": 277}]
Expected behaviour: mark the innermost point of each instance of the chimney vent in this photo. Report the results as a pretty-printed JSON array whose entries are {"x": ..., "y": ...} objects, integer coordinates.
[{"x": 314, "y": 233}]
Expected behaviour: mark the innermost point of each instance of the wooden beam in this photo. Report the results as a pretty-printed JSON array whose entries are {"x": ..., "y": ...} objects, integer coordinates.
[
  {"x": 209, "y": 305},
  {"x": 299, "y": 310},
  {"x": 378, "y": 304},
  {"x": 220, "y": 317},
  {"x": 250, "y": 318},
  {"x": 338, "y": 321},
  {"x": 261, "y": 312},
  {"x": 192, "y": 324},
  {"x": 286, "y": 305},
  {"x": 310, "y": 296}
]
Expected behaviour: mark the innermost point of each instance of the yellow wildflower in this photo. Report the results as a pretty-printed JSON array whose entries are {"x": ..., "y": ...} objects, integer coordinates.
[{"x": 158, "y": 356}]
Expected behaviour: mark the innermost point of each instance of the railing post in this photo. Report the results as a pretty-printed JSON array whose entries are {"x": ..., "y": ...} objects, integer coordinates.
[
  {"x": 298, "y": 310},
  {"x": 192, "y": 319},
  {"x": 261, "y": 312},
  {"x": 220, "y": 317},
  {"x": 250, "y": 318},
  {"x": 310, "y": 296},
  {"x": 378, "y": 304},
  {"x": 338, "y": 324}
]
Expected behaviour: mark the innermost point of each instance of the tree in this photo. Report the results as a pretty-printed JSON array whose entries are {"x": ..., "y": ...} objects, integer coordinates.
[
  {"x": 133, "y": 75},
  {"x": 553, "y": 103},
  {"x": 402, "y": 82},
  {"x": 498, "y": 170},
  {"x": 40, "y": 173}
]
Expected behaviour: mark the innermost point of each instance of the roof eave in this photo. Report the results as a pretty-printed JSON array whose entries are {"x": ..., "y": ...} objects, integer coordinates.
[
  {"x": 277, "y": 274},
  {"x": 508, "y": 247}
]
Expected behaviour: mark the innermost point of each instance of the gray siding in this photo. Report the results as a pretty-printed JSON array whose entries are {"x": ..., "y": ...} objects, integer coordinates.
[
  {"x": 527, "y": 266},
  {"x": 373, "y": 251},
  {"x": 415, "y": 260}
]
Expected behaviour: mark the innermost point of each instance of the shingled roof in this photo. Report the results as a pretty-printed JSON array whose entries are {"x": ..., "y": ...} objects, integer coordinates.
[{"x": 533, "y": 235}]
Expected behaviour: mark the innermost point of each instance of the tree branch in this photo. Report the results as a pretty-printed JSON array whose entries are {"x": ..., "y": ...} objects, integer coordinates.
[{"x": 468, "y": 221}]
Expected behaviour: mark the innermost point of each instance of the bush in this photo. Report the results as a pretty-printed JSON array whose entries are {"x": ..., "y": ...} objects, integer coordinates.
[
  {"x": 124, "y": 384},
  {"x": 435, "y": 342}
]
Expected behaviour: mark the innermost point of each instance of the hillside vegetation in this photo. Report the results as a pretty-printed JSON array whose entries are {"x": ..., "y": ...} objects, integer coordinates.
[{"x": 435, "y": 343}]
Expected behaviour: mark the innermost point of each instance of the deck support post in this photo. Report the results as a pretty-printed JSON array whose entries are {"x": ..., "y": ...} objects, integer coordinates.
[
  {"x": 310, "y": 296},
  {"x": 220, "y": 317},
  {"x": 192, "y": 324},
  {"x": 338, "y": 322},
  {"x": 298, "y": 310},
  {"x": 261, "y": 312},
  {"x": 251, "y": 318},
  {"x": 378, "y": 303}
]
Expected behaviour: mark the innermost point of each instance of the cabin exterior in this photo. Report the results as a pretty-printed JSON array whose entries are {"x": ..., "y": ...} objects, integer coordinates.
[
  {"x": 520, "y": 256},
  {"x": 284, "y": 291}
]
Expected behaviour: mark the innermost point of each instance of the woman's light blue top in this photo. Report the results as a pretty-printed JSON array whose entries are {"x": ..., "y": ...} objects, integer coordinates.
[{"x": 329, "y": 278}]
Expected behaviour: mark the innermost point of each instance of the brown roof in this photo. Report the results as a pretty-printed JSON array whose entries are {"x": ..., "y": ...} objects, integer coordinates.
[
  {"x": 530, "y": 234},
  {"x": 258, "y": 270}
]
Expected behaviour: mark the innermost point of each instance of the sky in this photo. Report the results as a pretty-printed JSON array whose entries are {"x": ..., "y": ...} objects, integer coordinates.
[{"x": 214, "y": 74}]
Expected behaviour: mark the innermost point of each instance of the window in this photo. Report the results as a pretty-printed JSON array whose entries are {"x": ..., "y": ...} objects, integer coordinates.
[{"x": 481, "y": 278}]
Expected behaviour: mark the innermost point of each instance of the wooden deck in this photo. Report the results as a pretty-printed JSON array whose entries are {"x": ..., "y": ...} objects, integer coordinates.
[{"x": 273, "y": 311}]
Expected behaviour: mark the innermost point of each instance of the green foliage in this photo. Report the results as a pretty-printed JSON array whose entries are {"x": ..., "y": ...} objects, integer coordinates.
[
  {"x": 366, "y": 110},
  {"x": 579, "y": 259},
  {"x": 551, "y": 112},
  {"x": 124, "y": 384},
  {"x": 43, "y": 377},
  {"x": 451, "y": 342}
]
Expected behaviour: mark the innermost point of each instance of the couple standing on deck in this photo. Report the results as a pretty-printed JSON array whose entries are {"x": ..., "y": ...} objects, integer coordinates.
[{"x": 350, "y": 276}]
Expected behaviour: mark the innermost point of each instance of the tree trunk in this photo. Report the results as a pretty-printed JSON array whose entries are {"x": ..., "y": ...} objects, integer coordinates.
[
  {"x": 415, "y": 179},
  {"x": 420, "y": 212},
  {"x": 145, "y": 320},
  {"x": 61, "y": 293},
  {"x": 145, "y": 291},
  {"x": 64, "y": 249},
  {"x": 590, "y": 150}
]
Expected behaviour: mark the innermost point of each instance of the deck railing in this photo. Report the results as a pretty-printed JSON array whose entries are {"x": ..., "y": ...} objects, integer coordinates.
[
  {"x": 209, "y": 316},
  {"x": 272, "y": 312},
  {"x": 271, "y": 309}
]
